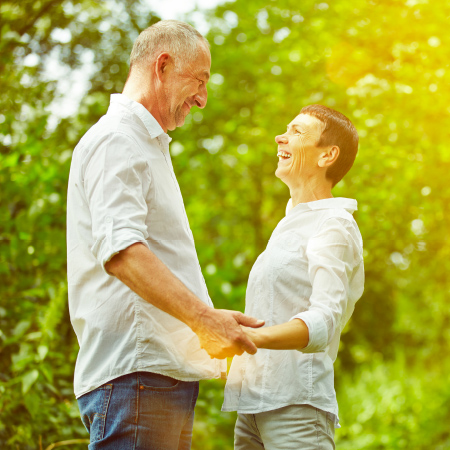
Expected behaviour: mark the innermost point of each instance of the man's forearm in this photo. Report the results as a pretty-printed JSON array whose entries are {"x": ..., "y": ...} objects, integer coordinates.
[
  {"x": 292, "y": 335},
  {"x": 219, "y": 331},
  {"x": 146, "y": 275}
]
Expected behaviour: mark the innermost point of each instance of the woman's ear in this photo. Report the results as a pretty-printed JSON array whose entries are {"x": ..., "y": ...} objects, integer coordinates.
[{"x": 329, "y": 156}]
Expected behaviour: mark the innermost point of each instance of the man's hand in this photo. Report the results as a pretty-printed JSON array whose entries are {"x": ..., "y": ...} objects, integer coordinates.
[{"x": 221, "y": 335}]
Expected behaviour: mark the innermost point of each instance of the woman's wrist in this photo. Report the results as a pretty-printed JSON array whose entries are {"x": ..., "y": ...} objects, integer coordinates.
[
  {"x": 292, "y": 335},
  {"x": 256, "y": 335}
]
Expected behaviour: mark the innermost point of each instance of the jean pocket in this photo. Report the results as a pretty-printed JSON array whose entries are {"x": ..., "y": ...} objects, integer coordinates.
[
  {"x": 93, "y": 409},
  {"x": 157, "y": 382}
]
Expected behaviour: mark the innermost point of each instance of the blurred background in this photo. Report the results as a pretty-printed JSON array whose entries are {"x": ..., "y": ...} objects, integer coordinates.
[{"x": 383, "y": 63}]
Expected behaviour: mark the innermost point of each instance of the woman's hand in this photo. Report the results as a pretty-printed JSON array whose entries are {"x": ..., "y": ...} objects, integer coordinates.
[{"x": 253, "y": 335}]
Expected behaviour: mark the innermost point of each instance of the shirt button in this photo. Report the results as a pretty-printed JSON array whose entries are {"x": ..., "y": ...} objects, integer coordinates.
[{"x": 108, "y": 219}]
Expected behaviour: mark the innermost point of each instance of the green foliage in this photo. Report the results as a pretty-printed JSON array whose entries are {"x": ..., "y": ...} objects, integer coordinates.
[
  {"x": 388, "y": 405},
  {"x": 382, "y": 63},
  {"x": 37, "y": 345}
]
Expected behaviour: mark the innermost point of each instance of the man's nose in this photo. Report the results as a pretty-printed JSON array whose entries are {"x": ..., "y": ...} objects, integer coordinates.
[
  {"x": 281, "y": 139},
  {"x": 201, "y": 97}
]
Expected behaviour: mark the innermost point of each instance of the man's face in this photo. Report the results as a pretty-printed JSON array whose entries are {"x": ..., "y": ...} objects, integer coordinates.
[
  {"x": 298, "y": 153},
  {"x": 186, "y": 87}
]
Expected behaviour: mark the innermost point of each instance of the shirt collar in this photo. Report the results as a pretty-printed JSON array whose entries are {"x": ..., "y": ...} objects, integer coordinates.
[
  {"x": 349, "y": 204},
  {"x": 151, "y": 124}
]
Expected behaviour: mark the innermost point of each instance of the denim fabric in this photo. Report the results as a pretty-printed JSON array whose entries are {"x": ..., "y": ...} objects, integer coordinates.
[{"x": 140, "y": 411}]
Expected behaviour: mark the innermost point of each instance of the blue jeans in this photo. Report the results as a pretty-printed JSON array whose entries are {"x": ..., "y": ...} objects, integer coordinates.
[{"x": 140, "y": 411}]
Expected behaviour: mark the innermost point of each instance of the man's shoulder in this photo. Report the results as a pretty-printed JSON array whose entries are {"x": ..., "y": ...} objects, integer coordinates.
[
  {"x": 111, "y": 128},
  {"x": 107, "y": 125},
  {"x": 103, "y": 127}
]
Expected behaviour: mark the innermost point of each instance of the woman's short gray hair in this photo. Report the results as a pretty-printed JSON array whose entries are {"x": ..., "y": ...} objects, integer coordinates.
[{"x": 172, "y": 36}]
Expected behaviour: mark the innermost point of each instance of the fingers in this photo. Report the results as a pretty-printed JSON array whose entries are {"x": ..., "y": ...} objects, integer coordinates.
[
  {"x": 248, "y": 321},
  {"x": 224, "y": 354},
  {"x": 248, "y": 346},
  {"x": 241, "y": 344},
  {"x": 224, "y": 336}
]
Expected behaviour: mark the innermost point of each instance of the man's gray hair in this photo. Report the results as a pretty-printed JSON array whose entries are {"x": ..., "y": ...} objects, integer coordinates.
[{"x": 179, "y": 39}]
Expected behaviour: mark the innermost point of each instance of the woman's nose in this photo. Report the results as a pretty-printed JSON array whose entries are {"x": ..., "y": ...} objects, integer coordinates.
[{"x": 281, "y": 139}]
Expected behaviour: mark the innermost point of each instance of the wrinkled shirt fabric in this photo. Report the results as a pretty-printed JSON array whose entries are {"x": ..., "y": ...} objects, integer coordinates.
[
  {"x": 312, "y": 269},
  {"x": 123, "y": 190}
]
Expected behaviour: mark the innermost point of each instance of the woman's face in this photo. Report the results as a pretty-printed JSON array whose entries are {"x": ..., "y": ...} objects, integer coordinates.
[{"x": 298, "y": 153}]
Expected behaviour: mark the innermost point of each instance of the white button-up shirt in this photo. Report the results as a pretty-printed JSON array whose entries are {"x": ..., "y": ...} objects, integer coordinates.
[
  {"x": 123, "y": 190},
  {"x": 312, "y": 269}
]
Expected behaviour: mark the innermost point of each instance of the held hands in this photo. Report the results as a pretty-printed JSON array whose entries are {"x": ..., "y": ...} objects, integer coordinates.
[
  {"x": 221, "y": 335},
  {"x": 253, "y": 335}
]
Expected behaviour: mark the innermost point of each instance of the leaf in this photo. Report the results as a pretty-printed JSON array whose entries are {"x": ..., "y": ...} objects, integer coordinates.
[
  {"x": 28, "y": 380},
  {"x": 21, "y": 328},
  {"x": 46, "y": 370},
  {"x": 33, "y": 403},
  {"x": 42, "y": 352}
]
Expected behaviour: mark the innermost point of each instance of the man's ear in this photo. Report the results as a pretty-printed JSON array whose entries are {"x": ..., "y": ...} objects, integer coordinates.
[
  {"x": 329, "y": 156},
  {"x": 163, "y": 66}
]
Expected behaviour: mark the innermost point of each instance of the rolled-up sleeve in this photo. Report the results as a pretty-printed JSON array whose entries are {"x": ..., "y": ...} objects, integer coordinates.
[
  {"x": 116, "y": 180},
  {"x": 333, "y": 255}
]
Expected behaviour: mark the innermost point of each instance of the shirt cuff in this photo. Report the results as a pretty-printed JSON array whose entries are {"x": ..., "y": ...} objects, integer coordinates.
[
  {"x": 114, "y": 241},
  {"x": 318, "y": 332}
]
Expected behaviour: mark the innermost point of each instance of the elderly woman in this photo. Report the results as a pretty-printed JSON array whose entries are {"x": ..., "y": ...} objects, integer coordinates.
[{"x": 305, "y": 285}]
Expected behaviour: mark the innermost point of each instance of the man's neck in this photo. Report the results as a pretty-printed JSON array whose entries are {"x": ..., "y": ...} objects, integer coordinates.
[{"x": 146, "y": 96}]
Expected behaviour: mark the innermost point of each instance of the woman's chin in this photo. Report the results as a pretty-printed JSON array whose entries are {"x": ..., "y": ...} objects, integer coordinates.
[{"x": 281, "y": 174}]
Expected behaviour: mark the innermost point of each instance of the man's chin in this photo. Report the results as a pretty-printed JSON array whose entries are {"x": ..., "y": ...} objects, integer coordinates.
[
  {"x": 175, "y": 121},
  {"x": 179, "y": 121},
  {"x": 175, "y": 124}
]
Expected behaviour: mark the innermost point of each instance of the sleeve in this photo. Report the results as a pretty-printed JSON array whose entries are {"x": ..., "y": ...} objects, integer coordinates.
[
  {"x": 334, "y": 255},
  {"x": 116, "y": 179}
]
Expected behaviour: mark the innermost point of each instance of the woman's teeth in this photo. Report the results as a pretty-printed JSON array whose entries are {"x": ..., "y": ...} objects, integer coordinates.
[{"x": 284, "y": 154}]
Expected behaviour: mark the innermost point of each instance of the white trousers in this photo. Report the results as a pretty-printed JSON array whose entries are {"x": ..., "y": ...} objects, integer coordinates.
[{"x": 295, "y": 427}]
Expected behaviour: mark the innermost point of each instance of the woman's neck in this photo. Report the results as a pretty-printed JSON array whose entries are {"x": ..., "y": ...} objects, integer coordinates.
[{"x": 310, "y": 192}]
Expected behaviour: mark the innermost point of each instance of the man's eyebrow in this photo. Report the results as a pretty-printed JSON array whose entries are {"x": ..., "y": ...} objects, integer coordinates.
[{"x": 206, "y": 75}]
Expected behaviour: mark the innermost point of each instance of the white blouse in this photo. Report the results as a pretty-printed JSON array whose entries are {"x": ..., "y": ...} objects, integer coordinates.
[{"x": 312, "y": 269}]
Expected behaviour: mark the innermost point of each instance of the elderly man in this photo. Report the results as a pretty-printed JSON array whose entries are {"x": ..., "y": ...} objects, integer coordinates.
[{"x": 138, "y": 301}]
